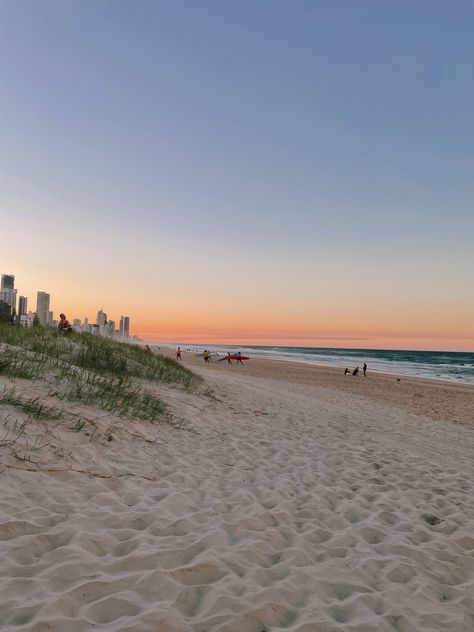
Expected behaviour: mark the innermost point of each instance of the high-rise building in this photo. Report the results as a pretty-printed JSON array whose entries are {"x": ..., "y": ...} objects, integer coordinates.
[
  {"x": 8, "y": 282},
  {"x": 111, "y": 328},
  {"x": 5, "y": 312},
  {"x": 8, "y": 292},
  {"x": 121, "y": 326},
  {"x": 101, "y": 318},
  {"x": 42, "y": 307},
  {"x": 126, "y": 326},
  {"x": 22, "y": 306}
]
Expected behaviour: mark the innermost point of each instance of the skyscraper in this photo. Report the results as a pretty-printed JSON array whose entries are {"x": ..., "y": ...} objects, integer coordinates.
[
  {"x": 8, "y": 292},
  {"x": 8, "y": 282},
  {"x": 121, "y": 326},
  {"x": 42, "y": 307},
  {"x": 126, "y": 326},
  {"x": 101, "y": 318},
  {"x": 22, "y": 306}
]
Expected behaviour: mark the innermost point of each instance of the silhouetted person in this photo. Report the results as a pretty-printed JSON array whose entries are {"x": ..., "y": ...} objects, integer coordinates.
[
  {"x": 63, "y": 326},
  {"x": 147, "y": 348},
  {"x": 229, "y": 361},
  {"x": 178, "y": 354},
  {"x": 364, "y": 368},
  {"x": 355, "y": 371},
  {"x": 346, "y": 372},
  {"x": 239, "y": 358}
]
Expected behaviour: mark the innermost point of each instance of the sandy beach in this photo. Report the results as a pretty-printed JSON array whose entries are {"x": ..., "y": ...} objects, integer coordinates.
[{"x": 283, "y": 497}]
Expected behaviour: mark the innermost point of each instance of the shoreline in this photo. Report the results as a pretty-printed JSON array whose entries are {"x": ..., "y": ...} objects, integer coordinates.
[
  {"x": 435, "y": 399},
  {"x": 256, "y": 356}
]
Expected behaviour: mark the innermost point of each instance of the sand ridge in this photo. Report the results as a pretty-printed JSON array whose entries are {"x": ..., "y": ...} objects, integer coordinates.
[{"x": 277, "y": 506}]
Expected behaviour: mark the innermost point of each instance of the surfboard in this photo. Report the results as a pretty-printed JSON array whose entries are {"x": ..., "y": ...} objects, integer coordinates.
[{"x": 234, "y": 357}]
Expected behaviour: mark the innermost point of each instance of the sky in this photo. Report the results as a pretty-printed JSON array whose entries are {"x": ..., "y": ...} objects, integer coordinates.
[{"x": 258, "y": 172}]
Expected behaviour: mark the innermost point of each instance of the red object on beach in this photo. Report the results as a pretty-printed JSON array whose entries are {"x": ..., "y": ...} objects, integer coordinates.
[{"x": 234, "y": 357}]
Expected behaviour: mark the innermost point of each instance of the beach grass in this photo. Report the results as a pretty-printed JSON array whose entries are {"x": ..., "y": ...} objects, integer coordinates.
[
  {"x": 98, "y": 354},
  {"x": 90, "y": 369},
  {"x": 31, "y": 406}
]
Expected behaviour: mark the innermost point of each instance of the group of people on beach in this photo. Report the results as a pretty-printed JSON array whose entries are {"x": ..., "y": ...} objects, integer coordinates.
[
  {"x": 229, "y": 357},
  {"x": 356, "y": 370},
  {"x": 236, "y": 356}
]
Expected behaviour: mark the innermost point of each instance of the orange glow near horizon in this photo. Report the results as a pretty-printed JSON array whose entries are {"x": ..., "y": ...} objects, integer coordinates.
[
  {"x": 372, "y": 342},
  {"x": 251, "y": 300}
]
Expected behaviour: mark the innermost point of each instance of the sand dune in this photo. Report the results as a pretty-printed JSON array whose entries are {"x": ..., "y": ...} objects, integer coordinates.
[{"x": 279, "y": 504}]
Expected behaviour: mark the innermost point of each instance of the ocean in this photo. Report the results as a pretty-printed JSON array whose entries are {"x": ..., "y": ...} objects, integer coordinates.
[{"x": 439, "y": 365}]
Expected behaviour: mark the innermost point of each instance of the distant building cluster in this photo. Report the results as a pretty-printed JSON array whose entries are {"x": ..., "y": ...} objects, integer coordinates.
[{"x": 16, "y": 312}]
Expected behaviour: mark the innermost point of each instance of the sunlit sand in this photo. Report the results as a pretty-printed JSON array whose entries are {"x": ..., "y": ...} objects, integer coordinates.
[{"x": 282, "y": 497}]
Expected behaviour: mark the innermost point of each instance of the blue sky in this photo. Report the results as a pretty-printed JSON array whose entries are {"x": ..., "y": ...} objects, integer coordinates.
[{"x": 315, "y": 132}]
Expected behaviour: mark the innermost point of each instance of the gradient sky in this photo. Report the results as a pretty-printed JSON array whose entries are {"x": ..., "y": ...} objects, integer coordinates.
[{"x": 295, "y": 172}]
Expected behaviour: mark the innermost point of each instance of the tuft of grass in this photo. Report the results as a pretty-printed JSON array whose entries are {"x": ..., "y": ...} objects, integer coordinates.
[
  {"x": 114, "y": 394},
  {"x": 15, "y": 362},
  {"x": 33, "y": 407}
]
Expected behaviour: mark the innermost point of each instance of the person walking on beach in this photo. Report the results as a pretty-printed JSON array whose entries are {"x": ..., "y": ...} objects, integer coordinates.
[
  {"x": 239, "y": 358},
  {"x": 355, "y": 371},
  {"x": 364, "y": 368},
  {"x": 178, "y": 354},
  {"x": 206, "y": 355},
  {"x": 229, "y": 361}
]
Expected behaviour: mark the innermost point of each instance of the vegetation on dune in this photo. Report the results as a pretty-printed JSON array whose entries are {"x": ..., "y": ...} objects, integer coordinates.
[
  {"x": 32, "y": 406},
  {"x": 97, "y": 354},
  {"x": 89, "y": 369},
  {"x": 115, "y": 394}
]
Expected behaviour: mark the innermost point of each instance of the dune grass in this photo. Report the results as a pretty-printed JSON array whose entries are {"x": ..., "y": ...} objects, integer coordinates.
[
  {"x": 31, "y": 406},
  {"x": 91, "y": 369},
  {"x": 97, "y": 354},
  {"x": 16, "y": 363},
  {"x": 115, "y": 394}
]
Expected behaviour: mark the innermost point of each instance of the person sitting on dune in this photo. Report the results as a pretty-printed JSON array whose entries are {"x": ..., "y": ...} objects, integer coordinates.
[{"x": 63, "y": 326}]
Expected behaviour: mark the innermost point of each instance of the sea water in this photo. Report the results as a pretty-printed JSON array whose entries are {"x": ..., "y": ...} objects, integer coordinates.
[{"x": 439, "y": 365}]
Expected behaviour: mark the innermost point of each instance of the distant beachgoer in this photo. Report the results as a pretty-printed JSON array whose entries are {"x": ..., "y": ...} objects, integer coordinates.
[
  {"x": 178, "y": 354},
  {"x": 147, "y": 348},
  {"x": 206, "y": 356},
  {"x": 355, "y": 371},
  {"x": 364, "y": 368},
  {"x": 239, "y": 357},
  {"x": 229, "y": 361},
  {"x": 63, "y": 326},
  {"x": 346, "y": 372}
]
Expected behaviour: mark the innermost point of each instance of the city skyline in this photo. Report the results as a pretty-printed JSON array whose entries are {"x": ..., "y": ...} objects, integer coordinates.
[
  {"x": 271, "y": 172},
  {"x": 21, "y": 316}
]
